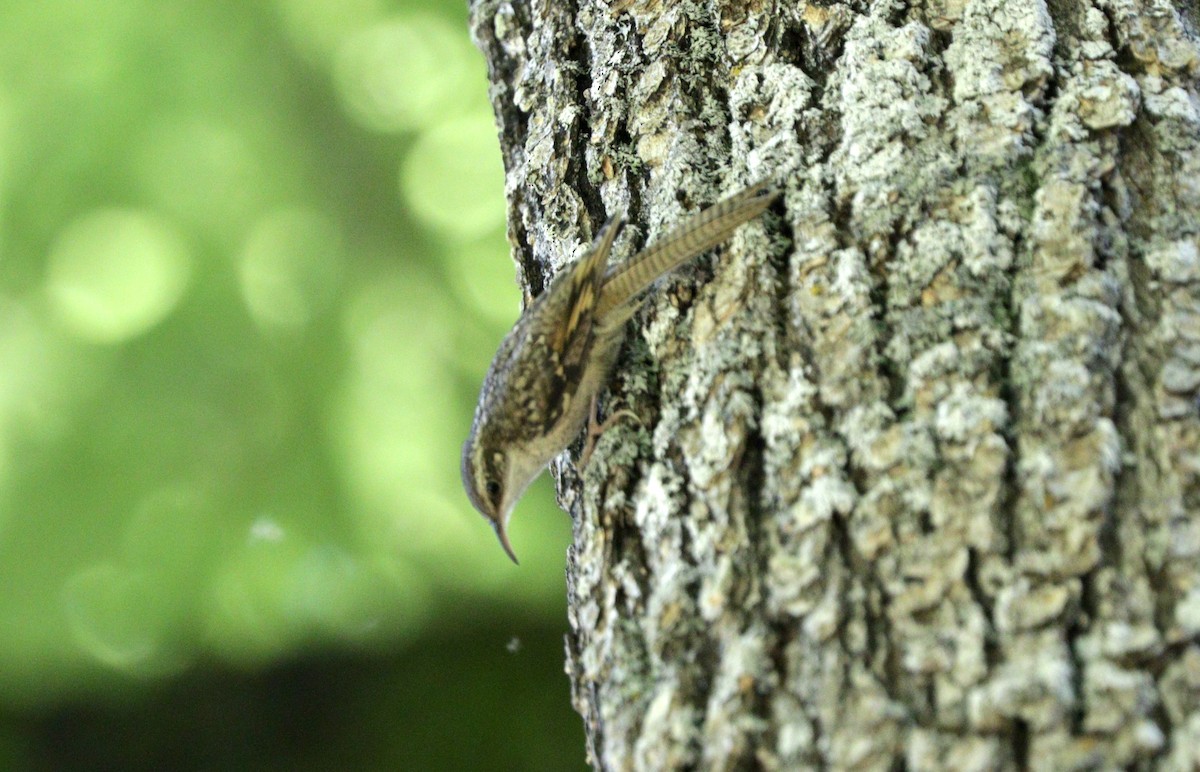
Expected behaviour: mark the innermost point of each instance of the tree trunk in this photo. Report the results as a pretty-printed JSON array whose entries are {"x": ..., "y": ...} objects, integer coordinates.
[{"x": 916, "y": 480}]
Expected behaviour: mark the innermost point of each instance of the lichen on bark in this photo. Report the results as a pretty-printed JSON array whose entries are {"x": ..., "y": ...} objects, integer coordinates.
[{"x": 914, "y": 478}]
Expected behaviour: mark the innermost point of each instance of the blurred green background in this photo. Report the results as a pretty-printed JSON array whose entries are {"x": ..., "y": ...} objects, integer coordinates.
[{"x": 252, "y": 269}]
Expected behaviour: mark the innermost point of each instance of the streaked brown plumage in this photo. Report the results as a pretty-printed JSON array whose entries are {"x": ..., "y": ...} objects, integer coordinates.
[{"x": 558, "y": 356}]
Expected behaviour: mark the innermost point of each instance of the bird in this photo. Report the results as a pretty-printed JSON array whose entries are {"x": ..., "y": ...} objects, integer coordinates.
[{"x": 549, "y": 370}]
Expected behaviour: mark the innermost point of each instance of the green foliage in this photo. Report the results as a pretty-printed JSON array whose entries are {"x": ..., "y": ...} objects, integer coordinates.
[{"x": 252, "y": 267}]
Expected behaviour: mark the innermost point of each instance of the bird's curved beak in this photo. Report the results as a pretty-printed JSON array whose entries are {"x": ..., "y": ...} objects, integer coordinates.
[{"x": 501, "y": 528}]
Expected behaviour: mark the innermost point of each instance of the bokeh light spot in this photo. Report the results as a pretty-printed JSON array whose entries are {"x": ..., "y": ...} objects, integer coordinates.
[
  {"x": 43, "y": 375},
  {"x": 386, "y": 401},
  {"x": 452, "y": 177},
  {"x": 280, "y": 588},
  {"x": 115, "y": 617},
  {"x": 246, "y": 620},
  {"x": 289, "y": 267},
  {"x": 482, "y": 274},
  {"x": 334, "y": 593},
  {"x": 204, "y": 173},
  {"x": 114, "y": 274},
  {"x": 170, "y": 534},
  {"x": 265, "y": 528},
  {"x": 407, "y": 73},
  {"x": 318, "y": 26}
]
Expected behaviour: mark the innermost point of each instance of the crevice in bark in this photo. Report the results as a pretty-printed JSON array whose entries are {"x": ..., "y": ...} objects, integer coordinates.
[
  {"x": 860, "y": 7},
  {"x": 523, "y": 252},
  {"x": 1111, "y": 34},
  {"x": 926, "y": 717},
  {"x": 1045, "y": 101},
  {"x": 777, "y": 259},
  {"x": 1124, "y": 409},
  {"x": 1125, "y": 494},
  {"x": 891, "y": 675},
  {"x": 939, "y": 41},
  {"x": 1011, "y": 493},
  {"x": 991, "y": 649},
  {"x": 1137, "y": 144},
  {"x": 888, "y": 318},
  {"x": 578, "y": 62},
  {"x": 1019, "y": 738},
  {"x": 841, "y": 545},
  {"x": 758, "y": 511},
  {"x": 627, "y": 545},
  {"x": 698, "y": 682},
  {"x": 894, "y": 13},
  {"x": 1008, "y": 506},
  {"x": 1077, "y": 628},
  {"x": 791, "y": 43},
  {"x": 818, "y": 733},
  {"x": 798, "y": 46},
  {"x": 1162, "y": 718},
  {"x": 753, "y": 475},
  {"x": 634, "y": 181},
  {"x": 1065, "y": 15}
]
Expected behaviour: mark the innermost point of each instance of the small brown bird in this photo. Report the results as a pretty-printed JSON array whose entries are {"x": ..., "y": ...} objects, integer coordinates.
[{"x": 554, "y": 362}]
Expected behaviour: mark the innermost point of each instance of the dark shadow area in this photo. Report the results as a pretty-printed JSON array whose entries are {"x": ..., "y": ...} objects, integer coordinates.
[{"x": 492, "y": 698}]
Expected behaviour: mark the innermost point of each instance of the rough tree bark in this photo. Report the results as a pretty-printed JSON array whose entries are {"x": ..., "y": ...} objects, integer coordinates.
[{"x": 917, "y": 475}]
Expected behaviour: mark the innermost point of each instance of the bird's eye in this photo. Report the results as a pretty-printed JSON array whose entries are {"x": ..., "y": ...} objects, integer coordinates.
[{"x": 493, "y": 489}]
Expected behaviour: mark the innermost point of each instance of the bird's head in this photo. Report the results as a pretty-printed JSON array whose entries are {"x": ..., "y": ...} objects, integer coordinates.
[{"x": 494, "y": 480}]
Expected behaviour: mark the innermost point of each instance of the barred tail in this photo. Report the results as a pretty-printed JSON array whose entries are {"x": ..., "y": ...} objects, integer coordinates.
[{"x": 696, "y": 236}]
